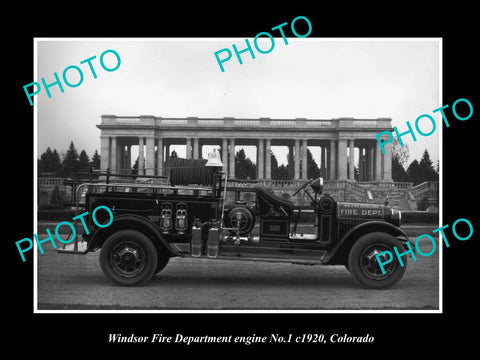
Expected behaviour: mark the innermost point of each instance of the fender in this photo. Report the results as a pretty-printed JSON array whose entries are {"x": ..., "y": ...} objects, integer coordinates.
[
  {"x": 356, "y": 232},
  {"x": 100, "y": 234}
]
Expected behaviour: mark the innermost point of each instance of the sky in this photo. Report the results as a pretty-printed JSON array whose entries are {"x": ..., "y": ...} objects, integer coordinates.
[{"x": 312, "y": 78}]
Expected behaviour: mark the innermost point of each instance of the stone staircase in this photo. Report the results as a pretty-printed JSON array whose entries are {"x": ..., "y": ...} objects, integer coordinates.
[{"x": 402, "y": 196}]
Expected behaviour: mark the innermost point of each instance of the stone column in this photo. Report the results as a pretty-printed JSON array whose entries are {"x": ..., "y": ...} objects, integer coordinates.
[
  {"x": 150, "y": 166},
  {"x": 364, "y": 164},
  {"x": 360, "y": 164},
  {"x": 160, "y": 157},
  {"x": 120, "y": 158},
  {"x": 260, "y": 158},
  {"x": 231, "y": 170},
  {"x": 128, "y": 163},
  {"x": 225, "y": 155},
  {"x": 387, "y": 162},
  {"x": 326, "y": 153},
  {"x": 104, "y": 152},
  {"x": 351, "y": 160},
  {"x": 342, "y": 159},
  {"x": 327, "y": 162},
  {"x": 323, "y": 162},
  {"x": 296, "y": 162},
  {"x": 141, "y": 161},
  {"x": 378, "y": 163},
  {"x": 196, "y": 149},
  {"x": 332, "y": 165},
  {"x": 304, "y": 159},
  {"x": 188, "y": 150},
  {"x": 167, "y": 151},
  {"x": 268, "y": 159},
  {"x": 113, "y": 155},
  {"x": 370, "y": 162},
  {"x": 290, "y": 156}
]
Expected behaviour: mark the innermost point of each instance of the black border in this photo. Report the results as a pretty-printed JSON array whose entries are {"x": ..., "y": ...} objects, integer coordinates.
[{"x": 430, "y": 332}]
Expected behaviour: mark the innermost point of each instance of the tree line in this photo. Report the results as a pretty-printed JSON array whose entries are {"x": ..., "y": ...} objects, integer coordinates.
[
  {"x": 247, "y": 169},
  {"x": 52, "y": 164},
  {"x": 416, "y": 172}
]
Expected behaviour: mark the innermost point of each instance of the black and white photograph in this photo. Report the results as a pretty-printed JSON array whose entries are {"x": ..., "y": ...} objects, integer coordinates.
[{"x": 271, "y": 185}]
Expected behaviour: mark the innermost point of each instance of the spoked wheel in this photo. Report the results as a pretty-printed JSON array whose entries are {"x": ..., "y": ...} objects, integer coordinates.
[
  {"x": 240, "y": 221},
  {"x": 241, "y": 218},
  {"x": 363, "y": 263},
  {"x": 128, "y": 258}
]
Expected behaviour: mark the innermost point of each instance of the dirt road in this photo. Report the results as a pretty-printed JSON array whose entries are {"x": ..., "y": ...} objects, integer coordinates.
[{"x": 75, "y": 282}]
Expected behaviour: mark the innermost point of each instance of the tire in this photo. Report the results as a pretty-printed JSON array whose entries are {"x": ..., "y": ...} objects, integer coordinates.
[
  {"x": 128, "y": 258},
  {"x": 241, "y": 217},
  {"x": 162, "y": 260},
  {"x": 364, "y": 266}
]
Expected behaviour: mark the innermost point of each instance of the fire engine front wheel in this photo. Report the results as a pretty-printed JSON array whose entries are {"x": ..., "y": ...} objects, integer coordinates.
[
  {"x": 128, "y": 258},
  {"x": 364, "y": 266}
]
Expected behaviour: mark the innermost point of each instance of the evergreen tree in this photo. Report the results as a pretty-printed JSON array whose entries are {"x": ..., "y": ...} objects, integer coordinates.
[
  {"x": 278, "y": 172},
  {"x": 414, "y": 173},
  {"x": 96, "y": 160},
  {"x": 56, "y": 163},
  {"x": 45, "y": 162},
  {"x": 426, "y": 167},
  {"x": 83, "y": 162},
  {"x": 313, "y": 171},
  {"x": 274, "y": 164},
  {"x": 70, "y": 160},
  {"x": 398, "y": 171},
  {"x": 244, "y": 167},
  {"x": 282, "y": 173},
  {"x": 135, "y": 167},
  {"x": 290, "y": 167},
  {"x": 49, "y": 162}
]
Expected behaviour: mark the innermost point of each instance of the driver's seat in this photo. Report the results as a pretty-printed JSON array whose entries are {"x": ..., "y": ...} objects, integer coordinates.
[{"x": 270, "y": 204}]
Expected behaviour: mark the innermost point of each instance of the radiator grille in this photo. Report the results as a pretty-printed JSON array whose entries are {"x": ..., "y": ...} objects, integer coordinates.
[{"x": 344, "y": 226}]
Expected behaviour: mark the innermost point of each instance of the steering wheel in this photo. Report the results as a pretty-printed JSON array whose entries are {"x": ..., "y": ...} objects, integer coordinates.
[{"x": 303, "y": 186}]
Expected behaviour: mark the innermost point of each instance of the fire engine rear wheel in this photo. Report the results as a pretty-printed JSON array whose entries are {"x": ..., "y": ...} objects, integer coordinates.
[
  {"x": 128, "y": 258},
  {"x": 363, "y": 264}
]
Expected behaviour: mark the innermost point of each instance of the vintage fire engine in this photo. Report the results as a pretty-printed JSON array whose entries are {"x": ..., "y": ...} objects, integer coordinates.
[{"x": 153, "y": 223}]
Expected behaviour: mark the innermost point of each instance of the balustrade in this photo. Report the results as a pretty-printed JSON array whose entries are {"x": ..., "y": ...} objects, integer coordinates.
[
  {"x": 50, "y": 181},
  {"x": 424, "y": 187}
]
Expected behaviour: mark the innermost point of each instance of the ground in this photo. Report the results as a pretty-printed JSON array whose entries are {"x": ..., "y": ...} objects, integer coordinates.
[{"x": 75, "y": 282}]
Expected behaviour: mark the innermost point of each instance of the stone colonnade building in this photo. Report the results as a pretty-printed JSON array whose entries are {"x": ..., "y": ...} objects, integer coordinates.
[{"x": 337, "y": 139}]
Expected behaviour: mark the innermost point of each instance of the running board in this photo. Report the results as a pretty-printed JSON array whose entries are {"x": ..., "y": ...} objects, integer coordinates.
[
  {"x": 260, "y": 252},
  {"x": 263, "y": 259}
]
